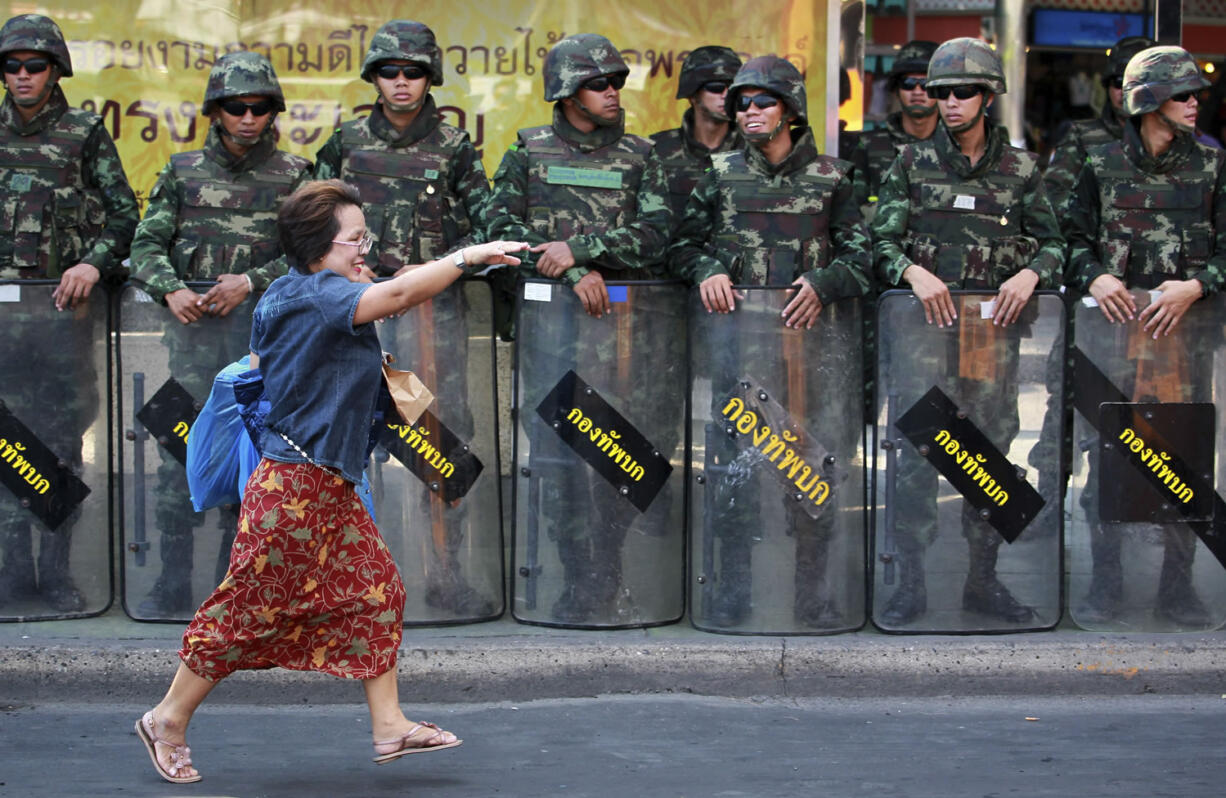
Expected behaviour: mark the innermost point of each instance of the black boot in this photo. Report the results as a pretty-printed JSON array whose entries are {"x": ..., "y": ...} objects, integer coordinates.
[
  {"x": 17, "y": 572},
  {"x": 171, "y": 594},
  {"x": 446, "y": 588},
  {"x": 574, "y": 604},
  {"x": 1102, "y": 603},
  {"x": 910, "y": 599},
  {"x": 814, "y": 605},
  {"x": 54, "y": 579},
  {"x": 1177, "y": 600},
  {"x": 984, "y": 593},
  {"x": 731, "y": 603}
]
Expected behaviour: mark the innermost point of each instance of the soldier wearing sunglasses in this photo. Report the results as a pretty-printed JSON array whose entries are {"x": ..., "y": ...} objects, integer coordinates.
[
  {"x": 68, "y": 214},
  {"x": 963, "y": 209},
  {"x": 212, "y": 216},
  {"x": 705, "y": 128}
]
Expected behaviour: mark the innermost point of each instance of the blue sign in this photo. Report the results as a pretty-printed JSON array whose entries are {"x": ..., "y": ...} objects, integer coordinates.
[{"x": 1097, "y": 29}]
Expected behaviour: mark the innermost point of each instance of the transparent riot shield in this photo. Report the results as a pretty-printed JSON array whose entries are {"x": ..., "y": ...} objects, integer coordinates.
[
  {"x": 777, "y": 518},
  {"x": 55, "y": 530},
  {"x": 173, "y": 556},
  {"x": 600, "y": 412},
  {"x": 436, "y": 482},
  {"x": 1146, "y": 544},
  {"x": 964, "y": 541}
]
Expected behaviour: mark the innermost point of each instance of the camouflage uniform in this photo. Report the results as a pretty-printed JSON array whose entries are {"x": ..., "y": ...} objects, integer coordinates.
[
  {"x": 1144, "y": 220},
  {"x": 768, "y": 224},
  {"x": 605, "y": 195},
  {"x": 923, "y": 217},
  {"x": 684, "y": 157},
  {"x": 66, "y": 200},
  {"x": 210, "y": 213},
  {"x": 423, "y": 191}
]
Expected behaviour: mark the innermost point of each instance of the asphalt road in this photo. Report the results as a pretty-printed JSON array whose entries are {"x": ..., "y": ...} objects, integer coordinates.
[{"x": 656, "y": 745}]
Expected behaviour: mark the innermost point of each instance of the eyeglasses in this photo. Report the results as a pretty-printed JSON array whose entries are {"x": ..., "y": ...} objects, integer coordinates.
[
  {"x": 33, "y": 65},
  {"x": 911, "y": 84},
  {"x": 961, "y": 92},
  {"x": 1183, "y": 96},
  {"x": 240, "y": 108},
  {"x": 603, "y": 82},
  {"x": 410, "y": 71},
  {"x": 363, "y": 244},
  {"x": 715, "y": 86},
  {"x": 761, "y": 100}
]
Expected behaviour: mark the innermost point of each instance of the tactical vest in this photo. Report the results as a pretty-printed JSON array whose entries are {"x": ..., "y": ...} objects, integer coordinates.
[
  {"x": 1154, "y": 227},
  {"x": 768, "y": 231},
  {"x": 228, "y": 221},
  {"x": 1092, "y": 132},
  {"x": 681, "y": 169},
  {"x": 571, "y": 192},
  {"x": 968, "y": 231},
  {"x": 49, "y": 218},
  {"x": 406, "y": 195},
  {"x": 881, "y": 148}
]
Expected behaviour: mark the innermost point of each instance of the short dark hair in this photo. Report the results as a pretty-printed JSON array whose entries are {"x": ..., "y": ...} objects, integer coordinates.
[{"x": 307, "y": 223}]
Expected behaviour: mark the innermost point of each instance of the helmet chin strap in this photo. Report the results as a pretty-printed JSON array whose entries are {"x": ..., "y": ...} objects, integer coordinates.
[
  {"x": 1176, "y": 127},
  {"x": 30, "y": 102},
  {"x": 965, "y": 126},
  {"x": 598, "y": 121},
  {"x": 919, "y": 111},
  {"x": 404, "y": 108},
  {"x": 243, "y": 141}
]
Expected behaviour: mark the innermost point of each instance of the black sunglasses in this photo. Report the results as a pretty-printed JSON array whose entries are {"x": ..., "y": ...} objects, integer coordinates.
[
  {"x": 1183, "y": 96},
  {"x": 961, "y": 92},
  {"x": 603, "y": 82},
  {"x": 410, "y": 71},
  {"x": 33, "y": 65},
  {"x": 911, "y": 84},
  {"x": 240, "y": 108},
  {"x": 761, "y": 100},
  {"x": 1116, "y": 82},
  {"x": 715, "y": 86}
]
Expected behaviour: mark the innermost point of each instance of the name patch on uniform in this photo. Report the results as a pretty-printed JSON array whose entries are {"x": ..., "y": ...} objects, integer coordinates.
[
  {"x": 37, "y": 476},
  {"x": 169, "y": 416},
  {"x": 20, "y": 182},
  {"x": 431, "y": 174},
  {"x": 604, "y": 439},
  {"x": 434, "y": 454},
  {"x": 589, "y": 178},
  {"x": 964, "y": 202},
  {"x": 971, "y": 463}
]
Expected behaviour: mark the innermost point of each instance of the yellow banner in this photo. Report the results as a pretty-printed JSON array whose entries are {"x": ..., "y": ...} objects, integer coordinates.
[{"x": 143, "y": 64}]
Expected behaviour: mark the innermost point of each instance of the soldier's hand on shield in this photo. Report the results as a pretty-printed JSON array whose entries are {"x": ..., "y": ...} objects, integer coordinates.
[
  {"x": 1165, "y": 312},
  {"x": 75, "y": 285},
  {"x": 1113, "y": 298},
  {"x": 1013, "y": 295},
  {"x": 229, "y": 293},
  {"x": 593, "y": 294},
  {"x": 184, "y": 304},
  {"x": 805, "y": 306},
  {"x": 556, "y": 258},
  {"x": 717, "y": 294},
  {"x": 933, "y": 293}
]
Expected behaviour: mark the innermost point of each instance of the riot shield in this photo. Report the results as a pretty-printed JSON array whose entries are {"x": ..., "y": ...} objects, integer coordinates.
[
  {"x": 436, "y": 483},
  {"x": 173, "y": 556},
  {"x": 1146, "y": 544},
  {"x": 963, "y": 539},
  {"x": 598, "y": 503},
  {"x": 55, "y": 530},
  {"x": 777, "y": 520}
]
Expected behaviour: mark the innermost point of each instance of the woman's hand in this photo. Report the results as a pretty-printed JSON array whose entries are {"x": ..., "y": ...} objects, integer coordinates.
[{"x": 494, "y": 253}]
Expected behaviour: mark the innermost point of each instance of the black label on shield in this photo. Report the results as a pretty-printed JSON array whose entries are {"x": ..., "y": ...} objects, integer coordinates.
[
  {"x": 605, "y": 440},
  {"x": 169, "y": 415},
  {"x": 434, "y": 454},
  {"x": 770, "y": 439},
  {"x": 41, "y": 481},
  {"x": 971, "y": 463},
  {"x": 1157, "y": 462}
]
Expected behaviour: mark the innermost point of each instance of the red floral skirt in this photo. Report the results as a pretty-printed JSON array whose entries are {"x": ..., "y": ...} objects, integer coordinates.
[{"x": 311, "y": 585}]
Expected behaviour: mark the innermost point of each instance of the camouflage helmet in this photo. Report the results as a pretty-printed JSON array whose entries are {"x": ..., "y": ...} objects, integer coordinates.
[
  {"x": 913, "y": 57},
  {"x": 239, "y": 73},
  {"x": 1155, "y": 75},
  {"x": 404, "y": 40},
  {"x": 776, "y": 75},
  {"x": 706, "y": 64},
  {"x": 577, "y": 59},
  {"x": 38, "y": 33},
  {"x": 966, "y": 62},
  {"x": 1122, "y": 52}
]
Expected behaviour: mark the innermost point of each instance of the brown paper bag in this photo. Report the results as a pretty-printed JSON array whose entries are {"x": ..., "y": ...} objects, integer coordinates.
[{"x": 411, "y": 396}]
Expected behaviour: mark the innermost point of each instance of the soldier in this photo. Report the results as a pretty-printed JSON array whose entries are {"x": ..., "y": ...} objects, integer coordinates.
[
  {"x": 212, "y": 216},
  {"x": 423, "y": 187},
  {"x": 70, "y": 214},
  {"x": 963, "y": 210},
  {"x": 915, "y": 120},
  {"x": 705, "y": 128},
  {"x": 1131, "y": 225},
  {"x": 802, "y": 228},
  {"x": 592, "y": 199}
]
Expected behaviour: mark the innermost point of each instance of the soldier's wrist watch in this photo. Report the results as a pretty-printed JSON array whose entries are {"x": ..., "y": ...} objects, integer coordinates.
[{"x": 458, "y": 259}]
